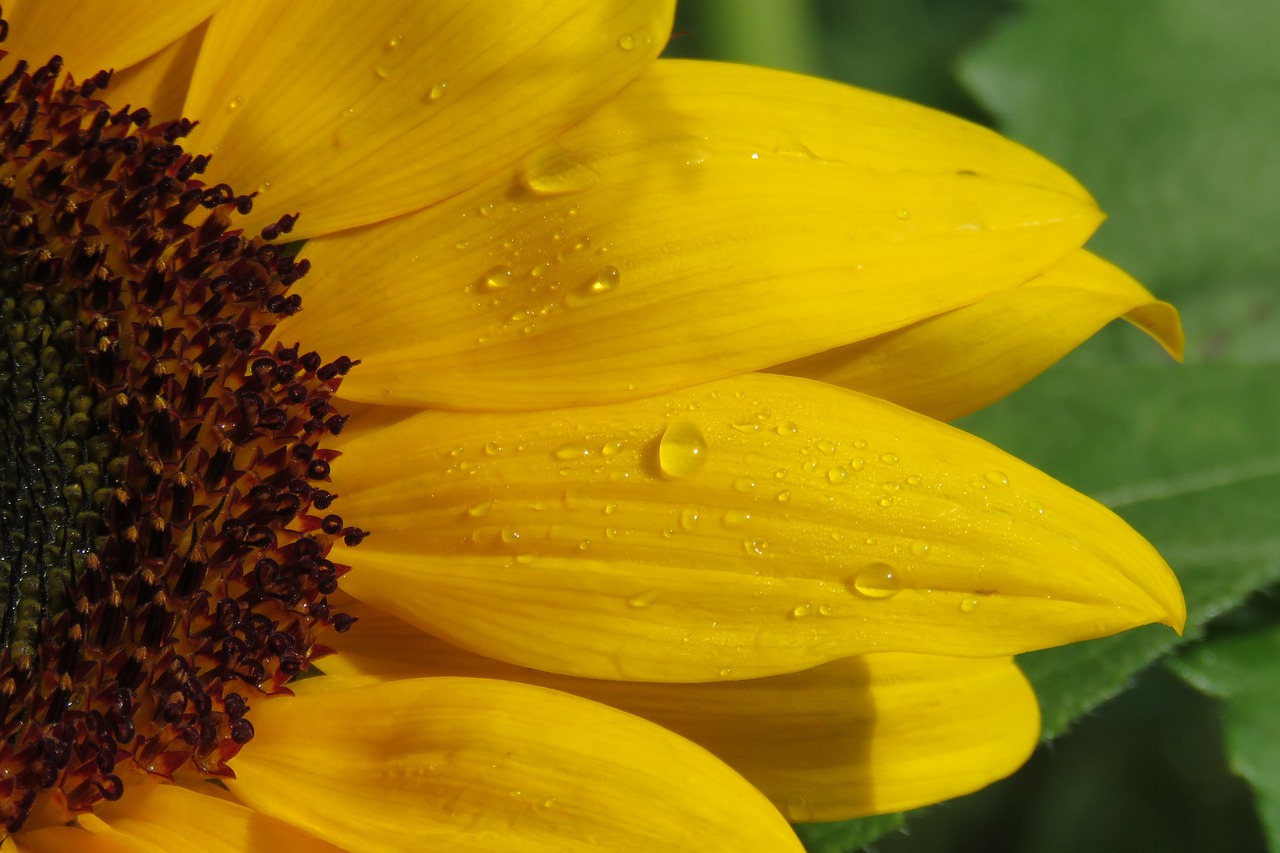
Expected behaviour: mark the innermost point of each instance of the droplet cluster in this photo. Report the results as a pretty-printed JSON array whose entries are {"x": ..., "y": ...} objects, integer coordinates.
[{"x": 165, "y": 524}]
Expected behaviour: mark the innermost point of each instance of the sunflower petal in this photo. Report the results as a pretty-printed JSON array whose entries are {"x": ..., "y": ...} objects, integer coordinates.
[
  {"x": 708, "y": 220},
  {"x": 123, "y": 32},
  {"x": 956, "y": 363},
  {"x": 474, "y": 764},
  {"x": 748, "y": 527},
  {"x": 160, "y": 81},
  {"x": 369, "y": 110},
  {"x": 60, "y": 839},
  {"x": 853, "y": 737},
  {"x": 170, "y": 817}
]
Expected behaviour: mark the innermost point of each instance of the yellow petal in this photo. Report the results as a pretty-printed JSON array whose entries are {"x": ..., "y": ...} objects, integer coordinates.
[
  {"x": 369, "y": 110},
  {"x": 457, "y": 764},
  {"x": 159, "y": 82},
  {"x": 61, "y": 839},
  {"x": 758, "y": 525},
  {"x": 170, "y": 817},
  {"x": 708, "y": 220},
  {"x": 956, "y": 363},
  {"x": 97, "y": 35},
  {"x": 858, "y": 736}
]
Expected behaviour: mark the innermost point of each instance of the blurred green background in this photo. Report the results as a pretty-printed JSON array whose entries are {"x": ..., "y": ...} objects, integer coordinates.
[{"x": 1169, "y": 112}]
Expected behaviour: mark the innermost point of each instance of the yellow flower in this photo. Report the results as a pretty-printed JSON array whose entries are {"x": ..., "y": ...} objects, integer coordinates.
[{"x": 633, "y": 574}]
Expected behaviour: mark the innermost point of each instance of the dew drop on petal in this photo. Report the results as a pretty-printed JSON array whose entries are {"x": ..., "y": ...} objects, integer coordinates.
[
  {"x": 998, "y": 478},
  {"x": 877, "y": 580},
  {"x": 572, "y": 451},
  {"x": 626, "y": 41},
  {"x": 836, "y": 475},
  {"x": 480, "y": 510},
  {"x": 802, "y": 610},
  {"x": 644, "y": 599},
  {"x": 735, "y": 518},
  {"x": 555, "y": 172},
  {"x": 889, "y": 458},
  {"x": 682, "y": 450},
  {"x": 968, "y": 604},
  {"x": 689, "y": 517},
  {"x": 496, "y": 278},
  {"x": 437, "y": 91}
]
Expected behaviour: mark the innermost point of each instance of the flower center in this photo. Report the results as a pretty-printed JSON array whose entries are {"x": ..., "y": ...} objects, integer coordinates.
[{"x": 164, "y": 526}]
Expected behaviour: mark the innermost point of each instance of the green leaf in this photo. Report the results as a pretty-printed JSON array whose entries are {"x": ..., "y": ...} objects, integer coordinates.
[
  {"x": 1244, "y": 672},
  {"x": 1190, "y": 457},
  {"x": 843, "y": 836},
  {"x": 1167, "y": 111}
]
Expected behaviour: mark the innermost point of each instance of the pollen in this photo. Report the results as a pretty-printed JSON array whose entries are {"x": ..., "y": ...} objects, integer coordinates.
[{"x": 164, "y": 518}]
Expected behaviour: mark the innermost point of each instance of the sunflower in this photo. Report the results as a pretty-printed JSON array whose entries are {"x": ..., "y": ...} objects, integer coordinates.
[{"x": 631, "y": 402}]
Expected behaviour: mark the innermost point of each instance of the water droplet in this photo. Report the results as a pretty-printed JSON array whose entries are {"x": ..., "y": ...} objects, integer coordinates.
[
  {"x": 902, "y": 213},
  {"x": 235, "y": 103},
  {"x": 525, "y": 559},
  {"x": 689, "y": 517},
  {"x": 437, "y": 91},
  {"x": 787, "y": 428},
  {"x": 744, "y": 484},
  {"x": 919, "y": 547},
  {"x": 395, "y": 42},
  {"x": 611, "y": 533},
  {"x": 877, "y": 580},
  {"x": 726, "y": 671},
  {"x": 826, "y": 447},
  {"x": 492, "y": 448},
  {"x": 886, "y": 502},
  {"x": 575, "y": 501},
  {"x": 836, "y": 475},
  {"x": 510, "y": 534},
  {"x": 748, "y": 427},
  {"x": 998, "y": 478},
  {"x": 480, "y": 510},
  {"x": 913, "y": 480},
  {"x": 682, "y": 450},
  {"x": 784, "y": 496},
  {"x": 968, "y": 604},
  {"x": 889, "y": 458},
  {"x": 735, "y": 518},
  {"x": 572, "y": 451},
  {"x": 611, "y": 448},
  {"x": 626, "y": 41},
  {"x": 644, "y": 599},
  {"x": 798, "y": 809},
  {"x": 609, "y": 508},
  {"x": 382, "y": 72},
  {"x": 755, "y": 547},
  {"x": 824, "y": 610},
  {"x": 496, "y": 278},
  {"x": 607, "y": 279},
  {"x": 554, "y": 171},
  {"x": 802, "y": 610}
]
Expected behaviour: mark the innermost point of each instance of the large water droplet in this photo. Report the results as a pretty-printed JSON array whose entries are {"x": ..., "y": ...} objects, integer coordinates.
[
  {"x": 555, "y": 171},
  {"x": 682, "y": 450},
  {"x": 836, "y": 475},
  {"x": 877, "y": 580},
  {"x": 644, "y": 599},
  {"x": 496, "y": 278}
]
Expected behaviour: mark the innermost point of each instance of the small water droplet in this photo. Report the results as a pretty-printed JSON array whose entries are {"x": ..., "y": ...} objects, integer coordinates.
[
  {"x": 735, "y": 518},
  {"x": 644, "y": 599},
  {"x": 235, "y": 103},
  {"x": 611, "y": 448},
  {"x": 826, "y": 447},
  {"x": 744, "y": 484},
  {"x": 492, "y": 448},
  {"x": 836, "y": 475},
  {"x": 784, "y": 496},
  {"x": 786, "y": 428},
  {"x": 919, "y": 547},
  {"x": 437, "y": 91},
  {"x": 968, "y": 604},
  {"x": 802, "y": 610},
  {"x": 682, "y": 450},
  {"x": 886, "y": 502},
  {"x": 747, "y": 427},
  {"x": 626, "y": 41},
  {"x": 889, "y": 458},
  {"x": 689, "y": 517},
  {"x": 824, "y": 610},
  {"x": 877, "y": 580},
  {"x": 395, "y": 42},
  {"x": 857, "y": 463},
  {"x": 913, "y": 480},
  {"x": 382, "y": 72},
  {"x": 726, "y": 671},
  {"x": 997, "y": 478},
  {"x": 480, "y": 510},
  {"x": 572, "y": 451},
  {"x": 554, "y": 171},
  {"x": 609, "y": 508},
  {"x": 510, "y": 534},
  {"x": 524, "y": 559},
  {"x": 902, "y": 213},
  {"x": 755, "y": 547}
]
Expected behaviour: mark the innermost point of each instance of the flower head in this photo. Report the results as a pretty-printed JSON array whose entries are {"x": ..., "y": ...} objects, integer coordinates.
[{"x": 574, "y": 306}]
